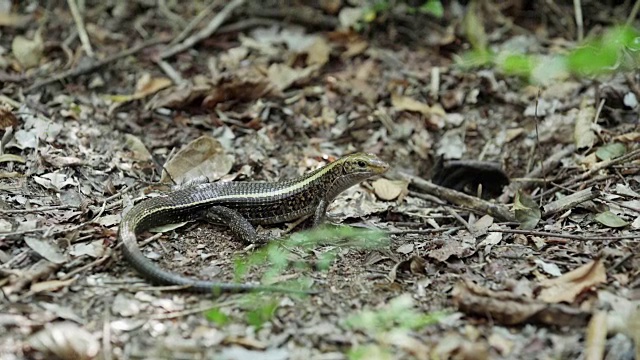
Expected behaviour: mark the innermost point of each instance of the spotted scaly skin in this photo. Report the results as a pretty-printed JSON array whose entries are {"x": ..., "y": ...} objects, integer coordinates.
[{"x": 241, "y": 205}]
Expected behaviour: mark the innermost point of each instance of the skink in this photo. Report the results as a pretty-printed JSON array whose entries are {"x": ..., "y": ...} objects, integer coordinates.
[{"x": 241, "y": 205}]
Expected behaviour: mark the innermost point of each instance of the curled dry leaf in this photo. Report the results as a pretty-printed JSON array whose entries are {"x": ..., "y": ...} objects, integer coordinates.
[
  {"x": 583, "y": 134},
  {"x": 282, "y": 76},
  {"x": 245, "y": 86},
  {"x": 203, "y": 157},
  {"x": 145, "y": 86},
  {"x": 632, "y": 137},
  {"x": 7, "y": 118},
  {"x": 390, "y": 189},
  {"x": 46, "y": 250},
  {"x": 405, "y": 103},
  {"x": 65, "y": 340},
  {"x": 137, "y": 147},
  {"x": 568, "y": 286},
  {"x": 28, "y": 52},
  {"x": 507, "y": 308},
  {"x": 526, "y": 210},
  {"x": 318, "y": 53},
  {"x": 414, "y": 265}
]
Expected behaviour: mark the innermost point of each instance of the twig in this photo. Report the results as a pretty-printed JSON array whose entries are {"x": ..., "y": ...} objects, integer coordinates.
[
  {"x": 459, "y": 218},
  {"x": 634, "y": 12},
  {"x": 424, "y": 231},
  {"x": 173, "y": 17},
  {"x": 569, "y": 201},
  {"x": 193, "y": 23},
  {"x": 81, "y": 70},
  {"x": 633, "y": 155},
  {"x": 87, "y": 266},
  {"x": 577, "y": 8},
  {"x": 304, "y": 15},
  {"x": 246, "y": 24},
  {"x": 204, "y": 33},
  {"x": 566, "y": 236},
  {"x": 82, "y": 32},
  {"x": 42, "y": 208},
  {"x": 498, "y": 211},
  {"x": 175, "y": 77}
]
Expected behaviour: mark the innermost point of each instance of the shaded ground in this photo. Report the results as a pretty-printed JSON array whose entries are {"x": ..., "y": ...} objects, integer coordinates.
[{"x": 276, "y": 95}]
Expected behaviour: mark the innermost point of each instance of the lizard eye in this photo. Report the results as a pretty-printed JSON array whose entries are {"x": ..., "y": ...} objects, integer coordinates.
[{"x": 361, "y": 164}]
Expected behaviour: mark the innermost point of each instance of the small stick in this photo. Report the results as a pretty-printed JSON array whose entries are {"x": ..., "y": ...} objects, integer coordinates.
[
  {"x": 566, "y": 236},
  {"x": 82, "y": 32},
  {"x": 81, "y": 70},
  {"x": 42, "y": 208},
  {"x": 570, "y": 201},
  {"x": 498, "y": 211},
  {"x": 204, "y": 33}
]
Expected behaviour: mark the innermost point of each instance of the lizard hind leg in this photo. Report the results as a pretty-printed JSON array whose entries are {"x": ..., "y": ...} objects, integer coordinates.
[{"x": 239, "y": 225}]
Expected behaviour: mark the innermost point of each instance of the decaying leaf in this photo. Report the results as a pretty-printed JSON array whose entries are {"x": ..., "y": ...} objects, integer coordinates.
[
  {"x": 50, "y": 285},
  {"x": 46, "y": 250},
  {"x": 610, "y": 151},
  {"x": 390, "y": 189},
  {"x": 28, "y": 52},
  {"x": 406, "y": 103},
  {"x": 65, "y": 340},
  {"x": 203, "y": 157},
  {"x": 145, "y": 86},
  {"x": 526, "y": 210},
  {"x": 7, "y": 118},
  {"x": 414, "y": 265},
  {"x": 243, "y": 87},
  {"x": 459, "y": 246},
  {"x": 607, "y": 218},
  {"x": 632, "y": 137},
  {"x": 178, "y": 97},
  {"x": 583, "y": 134},
  {"x": 137, "y": 147},
  {"x": 568, "y": 286},
  {"x": 283, "y": 76},
  {"x": 55, "y": 181},
  {"x": 507, "y": 308},
  {"x": 318, "y": 53}
]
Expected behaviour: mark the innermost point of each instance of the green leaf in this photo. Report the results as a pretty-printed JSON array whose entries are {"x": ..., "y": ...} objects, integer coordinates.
[
  {"x": 607, "y": 218},
  {"x": 527, "y": 211},
  {"x": 474, "y": 28},
  {"x": 517, "y": 64},
  {"x": 217, "y": 316},
  {"x": 433, "y": 7},
  {"x": 611, "y": 151},
  {"x": 260, "y": 315}
]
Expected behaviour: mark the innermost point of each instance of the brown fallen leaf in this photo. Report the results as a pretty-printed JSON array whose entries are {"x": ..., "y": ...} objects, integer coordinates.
[
  {"x": 203, "y": 157},
  {"x": 507, "y": 308},
  {"x": 65, "y": 340},
  {"x": 145, "y": 86},
  {"x": 282, "y": 76},
  {"x": 318, "y": 53},
  {"x": 414, "y": 265},
  {"x": 568, "y": 286},
  {"x": 583, "y": 134},
  {"x": 50, "y": 285},
  {"x": 178, "y": 97},
  {"x": 596, "y": 336},
  {"x": 632, "y": 137},
  {"x": 244, "y": 86},
  {"x": 459, "y": 246},
  {"x": 405, "y": 103},
  {"x": 390, "y": 189},
  {"x": 7, "y": 118}
]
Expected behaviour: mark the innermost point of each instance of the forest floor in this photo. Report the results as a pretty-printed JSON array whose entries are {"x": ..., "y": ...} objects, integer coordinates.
[{"x": 100, "y": 113}]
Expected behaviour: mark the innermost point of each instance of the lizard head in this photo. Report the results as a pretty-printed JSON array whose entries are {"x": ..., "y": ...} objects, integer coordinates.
[{"x": 363, "y": 164}]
